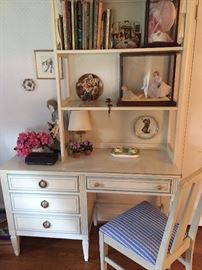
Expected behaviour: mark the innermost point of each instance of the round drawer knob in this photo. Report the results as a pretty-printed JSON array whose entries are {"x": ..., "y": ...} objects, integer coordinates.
[
  {"x": 46, "y": 224},
  {"x": 97, "y": 185},
  {"x": 43, "y": 183},
  {"x": 44, "y": 204},
  {"x": 159, "y": 187}
]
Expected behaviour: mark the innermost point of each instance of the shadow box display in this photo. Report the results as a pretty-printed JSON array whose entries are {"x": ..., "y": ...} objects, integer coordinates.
[
  {"x": 147, "y": 80},
  {"x": 161, "y": 23}
]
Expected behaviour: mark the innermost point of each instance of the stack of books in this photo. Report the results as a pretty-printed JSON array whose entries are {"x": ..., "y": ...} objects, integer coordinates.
[{"x": 84, "y": 25}]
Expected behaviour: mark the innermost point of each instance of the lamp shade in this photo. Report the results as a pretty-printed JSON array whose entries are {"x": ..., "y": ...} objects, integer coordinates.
[{"x": 79, "y": 121}]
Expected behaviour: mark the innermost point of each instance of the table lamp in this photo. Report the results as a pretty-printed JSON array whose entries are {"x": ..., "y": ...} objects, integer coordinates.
[{"x": 79, "y": 122}]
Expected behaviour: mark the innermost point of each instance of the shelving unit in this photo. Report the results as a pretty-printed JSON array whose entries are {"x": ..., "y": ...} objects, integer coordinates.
[{"x": 176, "y": 114}]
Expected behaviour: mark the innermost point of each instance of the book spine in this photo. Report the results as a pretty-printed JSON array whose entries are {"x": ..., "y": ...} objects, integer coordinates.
[
  {"x": 60, "y": 32},
  {"x": 72, "y": 24},
  {"x": 99, "y": 24},
  {"x": 110, "y": 31},
  {"x": 79, "y": 23},
  {"x": 95, "y": 23},
  {"x": 84, "y": 18},
  {"x": 103, "y": 30},
  {"x": 107, "y": 29},
  {"x": 88, "y": 26},
  {"x": 68, "y": 24},
  {"x": 91, "y": 26},
  {"x": 64, "y": 24},
  {"x": 75, "y": 26}
]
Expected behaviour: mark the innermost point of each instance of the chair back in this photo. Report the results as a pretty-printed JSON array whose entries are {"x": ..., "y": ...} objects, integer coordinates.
[{"x": 185, "y": 210}]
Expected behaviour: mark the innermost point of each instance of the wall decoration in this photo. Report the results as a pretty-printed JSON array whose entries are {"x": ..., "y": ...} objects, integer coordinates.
[
  {"x": 147, "y": 80},
  {"x": 126, "y": 34},
  {"x": 89, "y": 87},
  {"x": 146, "y": 127},
  {"x": 29, "y": 84},
  {"x": 161, "y": 23},
  {"x": 45, "y": 64}
]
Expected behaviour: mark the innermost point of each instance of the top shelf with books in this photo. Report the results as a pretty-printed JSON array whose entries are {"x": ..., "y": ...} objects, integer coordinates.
[{"x": 113, "y": 26}]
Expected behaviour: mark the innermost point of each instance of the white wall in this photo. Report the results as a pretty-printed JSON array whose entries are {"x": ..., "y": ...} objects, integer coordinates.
[{"x": 25, "y": 25}]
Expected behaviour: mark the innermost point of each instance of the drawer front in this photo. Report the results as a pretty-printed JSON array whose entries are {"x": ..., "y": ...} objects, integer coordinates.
[
  {"x": 66, "y": 204},
  {"x": 49, "y": 224},
  {"x": 45, "y": 183},
  {"x": 148, "y": 185}
]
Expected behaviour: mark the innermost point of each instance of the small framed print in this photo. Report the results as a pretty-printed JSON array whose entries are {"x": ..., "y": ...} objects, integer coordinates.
[
  {"x": 161, "y": 22},
  {"x": 146, "y": 127},
  {"x": 45, "y": 64}
]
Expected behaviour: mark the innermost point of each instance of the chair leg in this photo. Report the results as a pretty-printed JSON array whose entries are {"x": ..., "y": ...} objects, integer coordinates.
[
  {"x": 189, "y": 257},
  {"x": 103, "y": 251}
]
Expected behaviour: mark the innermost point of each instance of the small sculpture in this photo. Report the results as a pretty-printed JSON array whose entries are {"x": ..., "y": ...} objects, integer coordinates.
[
  {"x": 158, "y": 88},
  {"x": 128, "y": 95}
]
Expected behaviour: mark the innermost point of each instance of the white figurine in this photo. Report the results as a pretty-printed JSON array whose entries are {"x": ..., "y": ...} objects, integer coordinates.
[
  {"x": 158, "y": 88},
  {"x": 128, "y": 95}
]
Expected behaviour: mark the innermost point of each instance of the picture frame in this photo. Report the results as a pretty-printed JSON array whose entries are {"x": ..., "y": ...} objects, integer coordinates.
[
  {"x": 45, "y": 64},
  {"x": 147, "y": 79},
  {"x": 161, "y": 23},
  {"x": 146, "y": 127}
]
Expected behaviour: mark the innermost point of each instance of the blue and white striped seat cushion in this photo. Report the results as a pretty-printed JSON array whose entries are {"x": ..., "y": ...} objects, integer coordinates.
[{"x": 140, "y": 229}]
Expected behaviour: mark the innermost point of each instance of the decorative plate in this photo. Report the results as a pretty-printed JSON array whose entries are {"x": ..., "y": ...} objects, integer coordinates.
[
  {"x": 89, "y": 87},
  {"x": 146, "y": 127}
]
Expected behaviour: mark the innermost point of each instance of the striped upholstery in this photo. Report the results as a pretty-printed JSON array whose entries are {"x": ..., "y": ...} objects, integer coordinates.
[{"x": 140, "y": 229}]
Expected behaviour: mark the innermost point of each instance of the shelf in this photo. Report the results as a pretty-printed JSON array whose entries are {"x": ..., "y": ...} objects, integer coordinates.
[
  {"x": 131, "y": 50},
  {"x": 70, "y": 105}
]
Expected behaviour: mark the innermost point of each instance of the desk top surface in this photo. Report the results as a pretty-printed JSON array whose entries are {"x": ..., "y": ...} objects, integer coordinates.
[{"x": 154, "y": 162}]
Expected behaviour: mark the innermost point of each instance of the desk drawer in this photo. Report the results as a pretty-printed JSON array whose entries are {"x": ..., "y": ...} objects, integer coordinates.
[
  {"x": 148, "y": 185},
  {"x": 66, "y": 204},
  {"x": 43, "y": 182},
  {"x": 48, "y": 224}
]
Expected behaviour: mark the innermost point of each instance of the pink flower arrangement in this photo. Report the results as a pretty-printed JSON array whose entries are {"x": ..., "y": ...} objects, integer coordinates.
[{"x": 31, "y": 140}]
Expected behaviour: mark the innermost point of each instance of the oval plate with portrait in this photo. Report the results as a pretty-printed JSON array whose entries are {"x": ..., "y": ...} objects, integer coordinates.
[{"x": 146, "y": 127}]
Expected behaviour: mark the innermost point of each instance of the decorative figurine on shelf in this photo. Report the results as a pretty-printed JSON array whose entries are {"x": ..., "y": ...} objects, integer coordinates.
[
  {"x": 54, "y": 126},
  {"x": 89, "y": 87},
  {"x": 109, "y": 104},
  {"x": 158, "y": 88},
  {"x": 128, "y": 95}
]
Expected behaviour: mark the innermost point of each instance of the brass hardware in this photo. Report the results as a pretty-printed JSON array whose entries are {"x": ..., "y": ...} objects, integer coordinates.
[
  {"x": 43, "y": 184},
  {"x": 159, "y": 187},
  {"x": 45, "y": 204},
  {"x": 96, "y": 184},
  {"x": 46, "y": 224}
]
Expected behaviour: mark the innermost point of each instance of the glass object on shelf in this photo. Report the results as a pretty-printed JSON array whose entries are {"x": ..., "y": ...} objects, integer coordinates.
[
  {"x": 147, "y": 80},
  {"x": 161, "y": 23}
]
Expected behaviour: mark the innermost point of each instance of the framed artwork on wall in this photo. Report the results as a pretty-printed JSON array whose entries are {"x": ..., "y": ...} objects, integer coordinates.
[
  {"x": 161, "y": 23},
  {"x": 45, "y": 64}
]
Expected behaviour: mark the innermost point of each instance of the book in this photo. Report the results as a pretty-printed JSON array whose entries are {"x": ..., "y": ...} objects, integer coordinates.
[
  {"x": 72, "y": 24},
  {"x": 64, "y": 23},
  {"x": 99, "y": 24},
  {"x": 68, "y": 24},
  {"x": 79, "y": 25},
  {"x": 60, "y": 33},
  {"x": 95, "y": 22},
  {"x": 108, "y": 29},
  {"x": 75, "y": 26}
]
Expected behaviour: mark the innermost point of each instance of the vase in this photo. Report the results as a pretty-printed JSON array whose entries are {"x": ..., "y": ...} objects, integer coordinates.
[
  {"x": 76, "y": 154},
  {"x": 87, "y": 152}
]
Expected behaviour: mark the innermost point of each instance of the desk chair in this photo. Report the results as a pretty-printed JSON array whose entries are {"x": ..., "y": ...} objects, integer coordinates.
[{"x": 149, "y": 237}]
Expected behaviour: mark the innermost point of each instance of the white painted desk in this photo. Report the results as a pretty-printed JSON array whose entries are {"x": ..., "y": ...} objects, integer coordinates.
[{"x": 58, "y": 201}]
